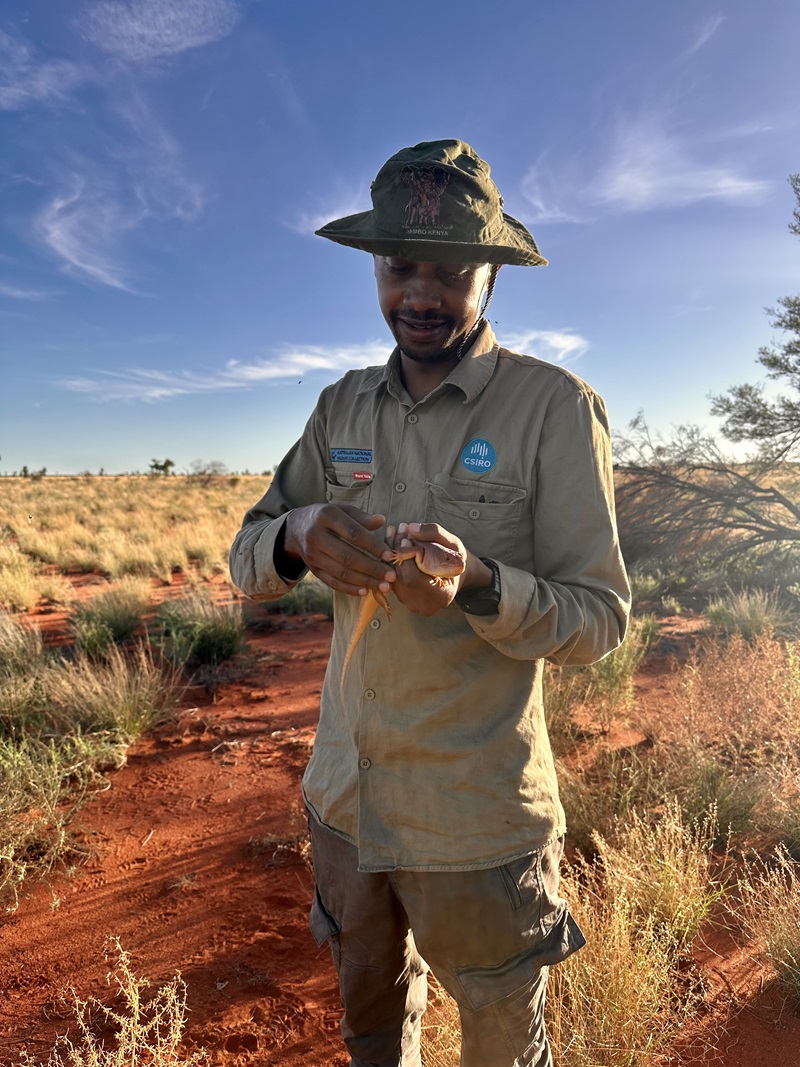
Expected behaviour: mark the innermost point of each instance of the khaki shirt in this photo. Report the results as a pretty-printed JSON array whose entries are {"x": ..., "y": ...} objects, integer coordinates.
[{"x": 438, "y": 758}]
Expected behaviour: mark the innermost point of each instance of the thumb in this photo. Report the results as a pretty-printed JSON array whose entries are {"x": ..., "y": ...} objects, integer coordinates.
[{"x": 364, "y": 518}]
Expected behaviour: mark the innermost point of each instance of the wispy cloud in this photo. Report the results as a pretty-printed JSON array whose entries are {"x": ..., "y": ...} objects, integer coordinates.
[
  {"x": 26, "y": 80},
  {"x": 651, "y": 168},
  {"x": 14, "y": 292},
  {"x": 141, "y": 30},
  {"x": 340, "y": 202},
  {"x": 645, "y": 164},
  {"x": 290, "y": 362},
  {"x": 98, "y": 204},
  {"x": 555, "y": 346},
  {"x": 704, "y": 33}
]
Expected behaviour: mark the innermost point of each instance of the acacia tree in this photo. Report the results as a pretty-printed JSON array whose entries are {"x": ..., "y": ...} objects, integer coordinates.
[{"x": 686, "y": 495}]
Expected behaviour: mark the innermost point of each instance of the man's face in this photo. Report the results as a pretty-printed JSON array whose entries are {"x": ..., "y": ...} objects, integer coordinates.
[{"x": 429, "y": 307}]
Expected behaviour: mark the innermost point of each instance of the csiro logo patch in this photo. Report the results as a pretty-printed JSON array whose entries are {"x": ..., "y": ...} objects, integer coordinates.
[{"x": 479, "y": 455}]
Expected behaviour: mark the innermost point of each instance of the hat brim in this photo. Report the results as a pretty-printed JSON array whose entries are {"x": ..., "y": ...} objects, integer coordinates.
[{"x": 513, "y": 245}]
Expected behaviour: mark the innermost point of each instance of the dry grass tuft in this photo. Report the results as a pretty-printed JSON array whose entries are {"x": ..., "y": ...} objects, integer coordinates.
[{"x": 140, "y": 1031}]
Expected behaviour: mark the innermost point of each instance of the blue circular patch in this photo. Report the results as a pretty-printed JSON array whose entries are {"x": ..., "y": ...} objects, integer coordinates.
[{"x": 478, "y": 456}]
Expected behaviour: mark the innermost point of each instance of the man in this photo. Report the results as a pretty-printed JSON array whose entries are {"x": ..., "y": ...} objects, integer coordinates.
[{"x": 435, "y": 821}]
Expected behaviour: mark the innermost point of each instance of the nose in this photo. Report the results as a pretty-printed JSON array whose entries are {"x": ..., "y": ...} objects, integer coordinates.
[{"x": 422, "y": 292}]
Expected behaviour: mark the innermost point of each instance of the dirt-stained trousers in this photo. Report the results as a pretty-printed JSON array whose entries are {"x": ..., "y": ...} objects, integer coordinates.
[{"x": 489, "y": 937}]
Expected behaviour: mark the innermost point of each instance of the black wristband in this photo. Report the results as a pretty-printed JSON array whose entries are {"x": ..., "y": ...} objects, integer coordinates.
[{"x": 484, "y": 600}]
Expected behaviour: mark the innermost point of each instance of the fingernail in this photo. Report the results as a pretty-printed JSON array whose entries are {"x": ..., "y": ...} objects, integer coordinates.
[
  {"x": 385, "y": 587},
  {"x": 390, "y": 576}
]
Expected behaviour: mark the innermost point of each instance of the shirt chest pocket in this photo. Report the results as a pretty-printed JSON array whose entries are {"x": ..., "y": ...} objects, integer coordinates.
[
  {"x": 357, "y": 495},
  {"x": 485, "y": 515}
]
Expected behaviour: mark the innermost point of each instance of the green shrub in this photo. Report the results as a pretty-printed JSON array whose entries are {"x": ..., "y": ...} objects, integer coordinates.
[
  {"x": 199, "y": 632},
  {"x": 115, "y": 614},
  {"x": 750, "y": 613},
  {"x": 308, "y": 597},
  {"x": 124, "y": 694},
  {"x": 611, "y": 679}
]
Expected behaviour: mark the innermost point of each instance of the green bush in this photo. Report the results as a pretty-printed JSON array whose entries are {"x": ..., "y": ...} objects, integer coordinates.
[
  {"x": 199, "y": 632},
  {"x": 112, "y": 616},
  {"x": 750, "y": 613}
]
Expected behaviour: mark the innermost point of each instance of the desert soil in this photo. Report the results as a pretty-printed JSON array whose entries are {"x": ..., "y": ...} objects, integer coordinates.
[{"x": 192, "y": 864}]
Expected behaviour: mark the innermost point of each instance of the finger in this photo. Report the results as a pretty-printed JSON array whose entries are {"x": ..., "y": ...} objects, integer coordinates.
[
  {"x": 434, "y": 533},
  {"x": 366, "y": 519}
]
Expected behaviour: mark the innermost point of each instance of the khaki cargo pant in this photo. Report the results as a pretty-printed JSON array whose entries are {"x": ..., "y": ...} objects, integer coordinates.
[{"x": 488, "y": 936}]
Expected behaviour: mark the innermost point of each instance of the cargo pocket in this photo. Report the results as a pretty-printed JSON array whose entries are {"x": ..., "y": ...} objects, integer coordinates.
[
  {"x": 488, "y": 985},
  {"x": 322, "y": 923}
]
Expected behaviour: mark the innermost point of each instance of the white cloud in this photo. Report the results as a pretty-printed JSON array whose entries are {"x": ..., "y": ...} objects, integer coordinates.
[
  {"x": 291, "y": 362},
  {"x": 340, "y": 203},
  {"x": 14, "y": 292},
  {"x": 141, "y": 30},
  {"x": 86, "y": 222},
  {"x": 645, "y": 164},
  {"x": 705, "y": 32},
  {"x": 650, "y": 168},
  {"x": 555, "y": 346},
  {"x": 25, "y": 81}
]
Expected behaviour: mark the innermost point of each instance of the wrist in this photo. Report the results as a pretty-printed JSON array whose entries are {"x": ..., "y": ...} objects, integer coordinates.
[
  {"x": 289, "y": 564},
  {"x": 483, "y": 599}
]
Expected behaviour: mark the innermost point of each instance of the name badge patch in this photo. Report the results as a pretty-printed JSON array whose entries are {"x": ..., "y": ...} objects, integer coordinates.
[
  {"x": 351, "y": 455},
  {"x": 479, "y": 455}
]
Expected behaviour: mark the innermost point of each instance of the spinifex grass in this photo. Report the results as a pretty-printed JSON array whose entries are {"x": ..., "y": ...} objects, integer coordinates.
[
  {"x": 198, "y": 631},
  {"x": 124, "y": 693},
  {"x": 750, "y": 613},
  {"x": 111, "y": 617}
]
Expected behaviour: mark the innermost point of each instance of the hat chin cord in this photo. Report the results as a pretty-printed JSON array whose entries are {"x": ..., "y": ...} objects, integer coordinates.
[{"x": 472, "y": 335}]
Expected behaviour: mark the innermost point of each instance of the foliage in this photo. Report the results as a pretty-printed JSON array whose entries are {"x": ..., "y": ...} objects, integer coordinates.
[
  {"x": 199, "y": 632},
  {"x": 125, "y": 694},
  {"x": 42, "y": 785},
  {"x": 309, "y": 597},
  {"x": 663, "y": 869},
  {"x": 686, "y": 496},
  {"x": 143, "y": 1030},
  {"x": 771, "y": 913},
  {"x": 613, "y": 1004},
  {"x": 162, "y": 466},
  {"x": 750, "y": 612},
  {"x": 112, "y": 616}
]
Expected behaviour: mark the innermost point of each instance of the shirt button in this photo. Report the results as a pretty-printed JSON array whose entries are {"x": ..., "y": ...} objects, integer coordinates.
[
  {"x": 474, "y": 513},
  {"x": 376, "y": 624},
  {"x": 369, "y": 694},
  {"x": 272, "y": 584},
  {"x": 412, "y": 418},
  {"x": 365, "y": 763},
  {"x": 329, "y": 495},
  {"x": 400, "y": 487}
]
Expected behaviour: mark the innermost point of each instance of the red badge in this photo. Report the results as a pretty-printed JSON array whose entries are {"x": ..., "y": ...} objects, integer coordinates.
[{"x": 362, "y": 476}]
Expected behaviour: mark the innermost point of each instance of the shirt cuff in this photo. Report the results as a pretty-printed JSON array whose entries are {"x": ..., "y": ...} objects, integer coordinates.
[
  {"x": 271, "y": 585},
  {"x": 517, "y": 590}
]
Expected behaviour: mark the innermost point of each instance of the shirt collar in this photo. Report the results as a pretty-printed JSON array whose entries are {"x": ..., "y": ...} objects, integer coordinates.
[{"x": 471, "y": 375}]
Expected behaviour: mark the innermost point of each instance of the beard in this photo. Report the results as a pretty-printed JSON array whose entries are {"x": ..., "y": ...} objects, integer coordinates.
[{"x": 430, "y": 353}]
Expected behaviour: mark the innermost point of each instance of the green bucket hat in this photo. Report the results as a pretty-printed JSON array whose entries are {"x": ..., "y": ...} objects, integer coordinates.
[{"x": 436, "y": 201}]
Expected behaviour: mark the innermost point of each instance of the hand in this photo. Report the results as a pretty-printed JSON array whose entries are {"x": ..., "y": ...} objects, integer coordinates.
[
  {"x": 429, "y": 578},
  {"x": 335, "y": 543}
]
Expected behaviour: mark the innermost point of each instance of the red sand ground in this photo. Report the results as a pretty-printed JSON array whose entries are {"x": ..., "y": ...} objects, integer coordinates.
[{"x": 184, "y": 871}]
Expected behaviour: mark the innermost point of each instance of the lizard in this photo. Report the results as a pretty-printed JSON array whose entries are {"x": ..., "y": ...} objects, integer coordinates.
[{"x": 437, "y": 561}]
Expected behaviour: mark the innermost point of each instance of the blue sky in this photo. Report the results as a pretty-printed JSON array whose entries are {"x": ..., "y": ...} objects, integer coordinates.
[{"x": 166, "y": 161}]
